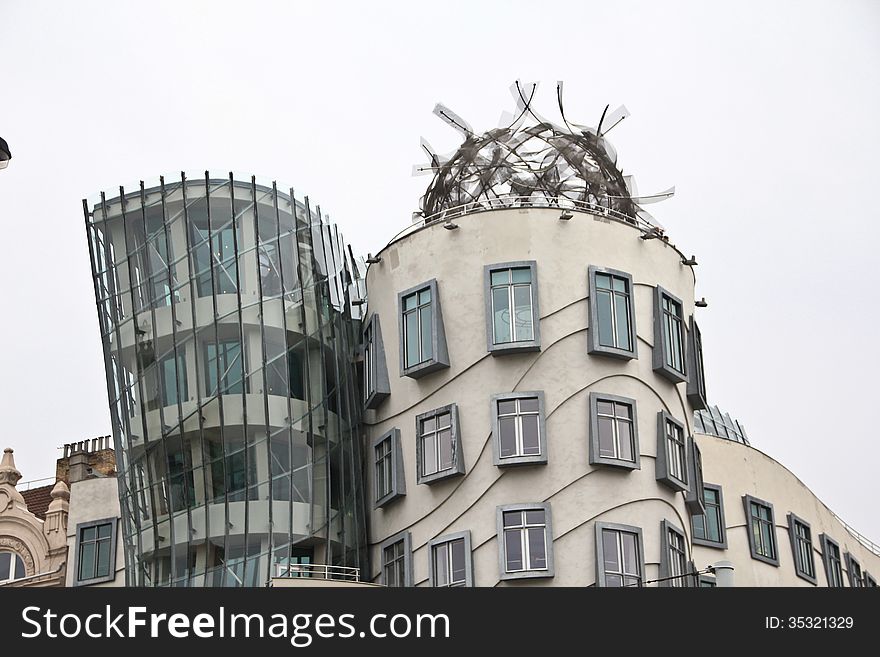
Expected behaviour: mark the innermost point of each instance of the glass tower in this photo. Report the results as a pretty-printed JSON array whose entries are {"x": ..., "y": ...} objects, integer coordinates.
[{"x": 228, "y": 340}]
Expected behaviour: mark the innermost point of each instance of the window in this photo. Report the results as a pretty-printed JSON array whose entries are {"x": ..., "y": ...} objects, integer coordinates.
[
  {"x": 390, "y": 482},
  {"x": 696, "y": 386},
  {"x": 220, "y": 252},
  {"x": 422, "y": 340},
  {"x": 396, "y": 555},
  {"x": 854, "y": 572},
  {"x": 11, "y": 567},
  {"x": 95, "y": 552},
  {"x": 224, "y": 362},
  {"x": 620, "y": 555},
  {"x": 376, "y": 385},
  {"x": 614, "y": 436},
  {"x": 525, "y": 540},
  {"x": 451, "y": 563},
  {"x": 520, "y": 437},
  {"x": 831, "y": 557},
  {"x": 671, "y": 453},
  {"x": 693, "y": 498},
  {"x": 673, "y": 557},
  {"x": 172, "y": 371},
  {"x": 612, "y": 329},
  {"x": 708, "y": 582},
  {"x": 669, "y": 336},
  {"x": 870, "y": 582},
  {"x": 761, "y": 529},
  {"x": 802, "y": 548},
  {"x": 438, "y": 445},
  {"x": 708, "y": 528},
  {"x": 512, "y": 319}
]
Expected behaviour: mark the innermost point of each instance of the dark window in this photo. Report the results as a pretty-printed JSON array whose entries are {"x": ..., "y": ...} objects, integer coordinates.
[
  {"x": 451, "y": 560},
  {"x": 512, "y": 307},
  {"x": 708, "y": 528},
  {"x": 696, "y": 387},
  {"x": 221, "y": 251},
  {"x": 669, "y": 336},
  {"x": 418, "y": 328},
  {"x": 438, "y": 445},
  {"x": 397, "y": 561},
  {"x": 518, "y": 428},
  {"x": 11, "y": 567},
  {"x": 762, "y": 530},
  {"x": 612, "y": 328},
  {"x": 854, "y": 571},
  {"x": 619, "y": 554},
  {"x": 802, "y": 548},
  {"x": 226, "y": 360},
  {"x": 525, "y": 540},
  {"x": 671, "y": 464},
  {"x": 674, "y": 563},
  {"x": 172, "y": 372},
  {"x": 831, "y": 557},
  {"x": 95, "y": 551},
  {"x": 614, "y": 433}
]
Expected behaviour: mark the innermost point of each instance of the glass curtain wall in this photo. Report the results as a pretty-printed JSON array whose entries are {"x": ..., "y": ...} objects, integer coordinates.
[{"x": 228, "y": 341}]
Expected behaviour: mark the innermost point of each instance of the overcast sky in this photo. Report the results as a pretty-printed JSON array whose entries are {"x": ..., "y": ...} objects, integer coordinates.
[{"x": 764, "y": 115}]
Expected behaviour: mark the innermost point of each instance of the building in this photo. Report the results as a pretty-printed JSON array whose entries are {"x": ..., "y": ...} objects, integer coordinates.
[
  {"x": 228, "y": 339},
  {"x": 63, "y": 533},
  {"x": 532, "y": 368}
]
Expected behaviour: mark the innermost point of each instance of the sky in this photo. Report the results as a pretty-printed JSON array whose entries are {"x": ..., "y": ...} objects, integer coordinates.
[{"x": 764, "y": 115}]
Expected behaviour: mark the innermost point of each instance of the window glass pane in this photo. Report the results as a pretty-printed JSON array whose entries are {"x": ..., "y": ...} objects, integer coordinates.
[
  {"x": 609, "y": 547},
  {"x": 409, "y": 302},
  {"x": 87, "y": 561},
  {"x": 440, "y": 569},
  {"x": 624, "y": 429},
  {"x": 5, "y": 565},
  {"x": 501, "y": 315},
  {"x": 507, "y": 429},
  {"x": 19, "y": 568},
  {"x": 529, "y": 404},
  {"x": 535, "y": 517},
  {"x": 700, "y": 526},
  {"x": 429, "y": 424},
  {"x": 103, "y": 559},
  {"x": 501, "y": 277},
  {"x": 603, "y": 281},
  {"x": 605, "y": 407},
  {"x": 530, "y": 435},
  {"x": 713, "y": 526},
  {"x": 443, "y": 420},
  {"x": 606, "y": 333},
  {"x": 512, "y": 518},
  {"x": 506, "y": 406},
  {"x": 458, "y": 560},
  {"x": 411, "y": 330},
  {"x": 619, "y": 284},
  {"x": 613, "y": 580},
  {"x": 429, "y": 456},
  {"x": 425, "y": 296},
  {"x": 104, "y": 531},
  {"x": 522, "y": 299},
  {"x": 606, "y": 437},
  {"x": 622, "y": 317},
  {"x": 89, "y": 534},
  {"x": 623, "y": 411},
  {"x": 445, "y": 438},
  {"x": 427, "y": 331},
  {"x": 537, "y": 551},
  {"x": 521, "y": 275},
  {"x": 513, "y": 550},
  {"x": 630, "y": 554}
]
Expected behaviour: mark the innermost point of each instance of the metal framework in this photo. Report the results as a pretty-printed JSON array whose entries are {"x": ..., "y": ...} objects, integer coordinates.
[{"x": 228, "y": 338}]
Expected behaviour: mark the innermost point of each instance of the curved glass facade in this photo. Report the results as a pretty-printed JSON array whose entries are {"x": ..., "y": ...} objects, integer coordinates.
[{"x": 228, "y": 342}]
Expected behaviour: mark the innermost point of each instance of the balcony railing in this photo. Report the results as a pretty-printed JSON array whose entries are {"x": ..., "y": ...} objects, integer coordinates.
[{"x": 318, "y": 571}]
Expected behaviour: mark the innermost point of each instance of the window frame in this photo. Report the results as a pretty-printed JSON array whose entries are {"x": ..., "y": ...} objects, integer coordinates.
[
  {"x": 550, "y": 570},
  {"x": 14, "y": 558},
  {"x": 468, "y": 557},
  {"x": 854, "y": 582},
  {"x": 523, "y": 459},
  {"x": 696, "y": 383},
  {"x": 458, "y": 467},
  {"x": 594, "y": 345},
  {"x": 706, "y": 542},
  {"x": 439, "y": 354},
  {"x": 406, "y": 537},
  {"x": 748, "y": 500},
  {"x": 398, "y": 473},
  {"x": 213, "y": 368},
  {"x": 693, "y": 498},
  {"x": 522, "y": 345},
  {"x": 825, "y": 540},
  {"x": 600, "y": 550},
  {"x": 113, "y": 522},
  {"x": 377, "y": 387},
  {"x": 794, "y": 538},
  {"x": 661, "y": 347},
  {"x": 870, "y": 582},
  {"x": 594, "y": 447},
  {"x": 662, "y": 472},
  {"x": 686, "y": 576}
]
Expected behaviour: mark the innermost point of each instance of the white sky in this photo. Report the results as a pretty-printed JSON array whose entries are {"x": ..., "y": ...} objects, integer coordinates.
[{"x": 764, "y": 115}]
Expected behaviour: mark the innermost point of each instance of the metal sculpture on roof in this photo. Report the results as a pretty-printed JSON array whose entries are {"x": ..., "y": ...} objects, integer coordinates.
[{"x": 532, "y": 161}]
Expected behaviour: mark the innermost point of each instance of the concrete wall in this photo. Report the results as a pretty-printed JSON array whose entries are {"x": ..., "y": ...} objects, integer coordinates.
[
  {"x": 579, "y": 494},
  {"x": 94, "y": 499}
]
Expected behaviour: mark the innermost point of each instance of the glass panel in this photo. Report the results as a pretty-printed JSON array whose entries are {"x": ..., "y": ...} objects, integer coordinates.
[
  {"x": 19, "y": 568},
  {"x": 5, "y": 565},
  {"x": 427, "y": 344},
  {"x": 425, "y": 296},
  {"x": 609, "y": 547},
  {"x": 529, "y": 404},
  {"x": 89, "y": 534},
  {"x": 700, "y": 526},
  {"x": 522, "y": 300},
  {"x": 104, "y": 531},
  {"x": 87, "y": 561},
  {"x": 619, "y": 284},
  {"x": 606, "y": 333},
  {"x": 103, "y": 559},
  {"x": 622, "y": 317},
  {"x": 513, "y": 550},
  {"x": 429, "y": 456},
  {"x": 625, "y": 436},
  {"x": 713, "y": 526},
  {"x": 409, "y": 302},
  {"x": 507, "y": 437},
  {"x": 445, "y": 438},
  {"x": 535, "y": 517},
  {"x": 506, "y": 406},
  {"x": 411, "y": 331},
  {"x": 537, "y": 548},
  {"x": 458, "y": 560},
  {"x": 630, "y": 554},
  {"x": 429, "y": 424},
  {"x": 603, "y": 281},
  {"x": 501, "y": 277},
  {"x": 613, "y": 581},
  {"x": 522, "y": 275},
  {"x": 530, "y": 435},
  {"x": 623, "y": 411},
  {"x": 606, "y": 437},
  {"x": 440, "y": 565},
  {"x": 512, "y": 518},
  {"x": 501, "y": 315},
  {"x": 443, "y": 420},
  {"x": 605, "y": 407}
]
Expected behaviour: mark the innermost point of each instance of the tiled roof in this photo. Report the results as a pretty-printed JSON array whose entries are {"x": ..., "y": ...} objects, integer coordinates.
[{"x": 38, "y": 499}]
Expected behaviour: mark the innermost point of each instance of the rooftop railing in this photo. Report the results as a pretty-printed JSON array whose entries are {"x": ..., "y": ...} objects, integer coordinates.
[{"x": 318, "y": 571}]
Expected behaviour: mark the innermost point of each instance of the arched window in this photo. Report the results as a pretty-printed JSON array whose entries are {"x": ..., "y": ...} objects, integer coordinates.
[{"x": 11, "y": 567}]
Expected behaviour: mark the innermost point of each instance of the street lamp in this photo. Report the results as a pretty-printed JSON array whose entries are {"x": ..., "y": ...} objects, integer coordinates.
[{"x": 5, "y": 155}]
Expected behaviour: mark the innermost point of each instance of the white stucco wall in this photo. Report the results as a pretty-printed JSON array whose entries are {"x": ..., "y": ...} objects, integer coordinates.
[{"x": 94, "y": 499}]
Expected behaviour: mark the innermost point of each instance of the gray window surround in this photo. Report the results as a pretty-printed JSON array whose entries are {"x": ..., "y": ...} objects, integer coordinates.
[
  {"x": 457, "y": 454},
  {"x": 693, "y": 498},
  {"x": 113, "y": 522},
  {"x": 594, "y": 452},
  {"x": 593, "y": 346},
  {"x": 548, "y": 537},
  {"x": 406, "y": 537},
  {"x": 523, "y": 345},
  {"x": 398, "y": 478},
  {"x": 665, "y": 570},
  {"x": 660, "y": 346},
  {"x": 696, "y": 384},
  {"x": 870, "y": 582},
  {"x": 379, "y": 386},
  {"x": 825, "y": 541},
  {"x": 747, "y": 502},
  {"x": 792, "y": 536},
  {"x": 721, "y": 523},
  {"x": 662, "y": 473},
  {"x": 439, "y": 353},
  {"x": 600, "y": 549},
  {"x": 532, "y": 459},
  {"x": 855, "y": 581},
  {"x": 468, "y": 555}
]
